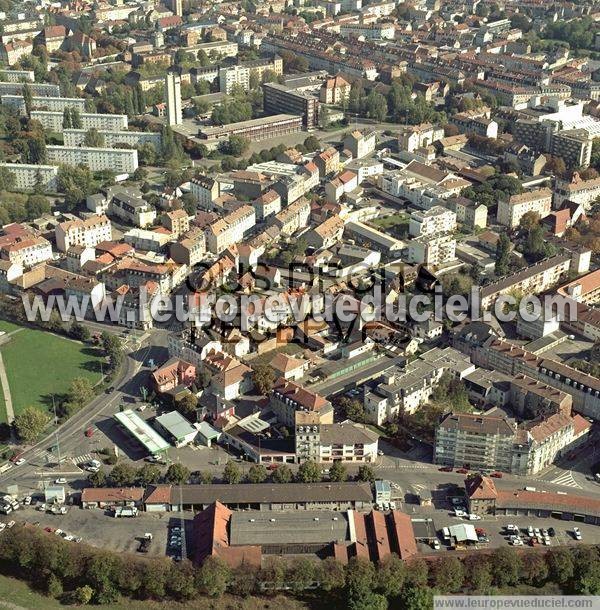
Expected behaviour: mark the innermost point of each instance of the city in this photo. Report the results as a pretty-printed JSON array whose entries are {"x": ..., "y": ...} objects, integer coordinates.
[{"x": 298, "y": 302}]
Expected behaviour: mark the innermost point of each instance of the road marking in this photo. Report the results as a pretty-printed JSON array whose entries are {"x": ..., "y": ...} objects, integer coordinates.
[
  {"x": 566, "y": 479},
  {"x": 81, "y": 459}
]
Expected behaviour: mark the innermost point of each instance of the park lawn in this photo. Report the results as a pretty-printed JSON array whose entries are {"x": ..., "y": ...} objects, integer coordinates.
[
  {"x": 387, "y": 222},
  {"x": 8, "y": 327},
  {"x": 39, "y": 364}
]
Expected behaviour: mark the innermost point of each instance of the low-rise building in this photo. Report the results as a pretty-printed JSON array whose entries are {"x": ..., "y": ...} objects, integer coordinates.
[
  {"x": 511, "y": 210},
  {"x": 87, "y": 233}
]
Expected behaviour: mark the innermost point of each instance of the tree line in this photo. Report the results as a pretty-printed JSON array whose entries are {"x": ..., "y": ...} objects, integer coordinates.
[{"x": 76, "y": 573}]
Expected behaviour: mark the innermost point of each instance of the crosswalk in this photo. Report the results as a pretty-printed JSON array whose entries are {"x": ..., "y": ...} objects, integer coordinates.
[
  {"x": 566, "y": 479},
  {"x": 81, "y": 459}
]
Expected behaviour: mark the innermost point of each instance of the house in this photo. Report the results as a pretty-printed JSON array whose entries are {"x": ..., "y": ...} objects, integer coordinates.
[
  {"x": 339, "y": 186},
  {"x": 288, "y": 367},
  {"x": 107, "y": 497},
  {"x": 335, "y": 91},
  {"x": 359, "y": 144},
  {"x": 173, "y": 373},
  {"x": 327, "y": 234},
  {"x": 327, "y": 161},
  {"x": 230, "y": 378}
]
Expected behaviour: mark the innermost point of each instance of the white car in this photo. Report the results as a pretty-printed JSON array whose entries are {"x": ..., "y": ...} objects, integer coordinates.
[
  {"x": 10, "y": 524},
  {"x": 60, "y": 481},
  {"x": 473, "y": 517},
  {"x": 547, "y": 540},
  {"x": 577, "y": 533},
  {"x": 2, "y": 526},
  {"x": 530, "y": 531},
  {"x": 436, "y": 545},
  {"x": 459, "y": 512},
  {"x": 517, "y": 542},
  {"x": 27, "y": 500},
  {"x": 512, "y": 528},
  {"x": 20, "y": 462},
  {"x": 536, "y": 532}
]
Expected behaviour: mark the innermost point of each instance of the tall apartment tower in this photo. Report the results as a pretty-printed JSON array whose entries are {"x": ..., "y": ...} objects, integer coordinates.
[
  {"x": 176, "y": 7},
  {"x": 173, "y": 87}
]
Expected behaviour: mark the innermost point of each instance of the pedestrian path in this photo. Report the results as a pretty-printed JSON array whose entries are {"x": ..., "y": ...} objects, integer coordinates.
[
  {"x": 566, "y": 478},
  {"x": 82, "y": 459},
  {"x": 10, "y": 413}
]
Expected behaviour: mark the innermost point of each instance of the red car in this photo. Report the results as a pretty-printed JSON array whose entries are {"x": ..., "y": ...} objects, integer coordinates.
[
  {"x": 272, "y": 467},
  {"x": 445, "y": 469},
  {"x": 480, "y": 531},
  {"x": 496, "y": 475},
  {"x": 462, "y": 471},
  {"x": 16, "y": 457},
  {"x": 89, "y": 432}
]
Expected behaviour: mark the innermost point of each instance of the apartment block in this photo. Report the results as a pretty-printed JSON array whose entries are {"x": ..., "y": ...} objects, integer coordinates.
[
  {"x": 293, "y": 217},
  {"x": 469, "y": 213},
  {"x": 130, "y": 207},
  {"x": 281, "y": 99},
  {"x": 189, "y": 249},
  {"x": 432, "y": 250},
  {"x": 205, "y": 189},
  {"x": 21, "y": 247},
  {"x": 146, "y": 240},
  {"x": 578, "y": 190},
  {"x": 435, "y": 220},
  {"x": 27, "y": 177},
  {"x": 76, "y": 137},
  {"x": 53, "y": 120},
  {"x": 511, "y": 210},
  {"x": 360, "y": 144},
  {"x": 419, "y": 136},
  {"x": 87, "y": 233},
  {"x": 58, "y": 104},
  {"x": 230, "y": 229},
  {"x": 287, "y": 399},
  {"x": 119, "y": 160},
  {"x": 335, "y": 91}
]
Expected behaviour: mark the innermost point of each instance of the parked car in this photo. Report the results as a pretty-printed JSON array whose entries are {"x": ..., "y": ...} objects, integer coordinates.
[
  {"x": 512, "y": 528},
  {"x": 577, "y": 533},
  {"x": 530, "y": 530},
  {"x": 60, "y": 481},
  {"x": 458, "y": 512},
  {"x": 496, "y": 475},
  {"x": 551, "y": 531},
  {"x": 89, "y": 432},
  {"x": 20, "y": 462},
  {"x": 436, "y": 545},
  {"x": 517, "y": 542},
  {"x": 473, "y": 517},
  {"x": 445, "y": 469}
]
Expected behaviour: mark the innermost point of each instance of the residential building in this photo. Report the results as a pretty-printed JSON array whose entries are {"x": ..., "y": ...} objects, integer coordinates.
[
  {"x": 578, "y": 190},
  {"x": 419, "y": 136},
  {"x": 176, "y": 221},
  {"x": 435, "y": 220},
  {"x": 359, "y": 144},
  {"x": 281, "y": 99},
  {"x": 432, "y": 250},
  {"x": 118, "y": 160},
  {"x": 205, "y": 189},
  {"x": 230, "y": 229},
  {"x": 172, "y": 374},
  {"x": 27, "y": 176},
  {"x": 57, "y": 104},
  {"x": 327, "y": 161},
  {"x": 173, "y": 93},
  {"x": 25, "y": 249},
  {"x": 189, "y": 249},
  {"x": 293, "y": 217},
  {"x": 53, "y": 120},
  {"x": 335, "y": 91},
  {"x": 511, "y": 210},
  {"x": 130, "y": 206},
  {"x": 146, "y": 240},
  {"x": 87, "y": 233},
  {"x": 112, "y": 139},
  {"x": 326, "y": 234},
  {"x": 468, "y": 213},
  {"x": 230, "y": 378},
  {"x": 288, "y": 398}
]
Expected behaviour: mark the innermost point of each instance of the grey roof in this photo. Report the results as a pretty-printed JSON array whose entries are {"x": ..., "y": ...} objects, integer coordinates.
[
  {"x": 175, "y": 424},
  {"x": 305, "y": 527},
  {"x": 346, "y": 434},
  {"x": 256, "y": 493}
]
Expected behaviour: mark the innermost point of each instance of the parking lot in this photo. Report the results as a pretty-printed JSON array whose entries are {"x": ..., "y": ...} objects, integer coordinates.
[{"x": 98, "y": 528}]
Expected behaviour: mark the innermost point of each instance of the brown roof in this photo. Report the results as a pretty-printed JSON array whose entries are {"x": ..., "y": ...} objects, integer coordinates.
[
  {"x": 158, "y": 494},
  {"x": 405, "y": 544},
  {"x": 307, "y": 399},
  {"x": 112, "y": 494},
  {"x": 548, "y": 501},
  {"x": 478, "y": 424},
  {"x": 480, "y": 488}
]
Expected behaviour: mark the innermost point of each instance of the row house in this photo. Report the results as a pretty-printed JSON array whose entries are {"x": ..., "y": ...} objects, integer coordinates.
[
  {"x": 513, "y": 208},
  {"x": 293, "y": 217},
  {"x": 230, "y": 229},
  {"x": 87, "y": 233},
  {"x": 289, "y": 398}
]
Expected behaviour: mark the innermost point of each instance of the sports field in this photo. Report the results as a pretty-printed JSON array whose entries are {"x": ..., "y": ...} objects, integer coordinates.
[{"x": 39, "y": 364}]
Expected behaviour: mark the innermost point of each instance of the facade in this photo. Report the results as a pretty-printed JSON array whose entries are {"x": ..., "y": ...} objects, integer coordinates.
[
  {"x": 510, "y": 211},
  {"x": 281, "y": 99},
  {"x": 87, "y": 233},
  {"x": 76, "y": 137},
  {"x": 335, "y": 91},
  {"x": 230, "y": 229},
  {"x": 26, "y": 250},
  {"x": 173, "y": 93},
  {"x": 53, "y": 120},
  {"x": 288, "y": 398},
  {"x": 429, "y": 222},
  {"x": 27, "y": 177},
  {"x": 119, "y": 160},
  {"x": 205, "y": 189},
  {"x": 256, "y": 130},
  {"x": 359, "y": 144},
  {"x": 293, "y": 217},
  {"x": 57, "y": 104},
  {"x": 432, "y": 250}
]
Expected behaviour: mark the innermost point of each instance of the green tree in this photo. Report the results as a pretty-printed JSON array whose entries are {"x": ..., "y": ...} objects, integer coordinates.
[
  {"x": 237, "y": 146},
  {"x": 123, "y": 475},
  {"x": 308, "y": 472},
  {"x": 97, "y": 479},
  {"x": 83, "y": 595},
  {"x": 80, "y": 332},
  {"x": 376, "y": 106},
  {"x": 148, "y": 474},
  {"x": 535, "y": 569},
  {"x": 506, "y": 567},
  {"x": 331, "y": 574},
  {"x": 264, "y": 378},
  {"x": 561, "y": 565},
  {"x": 502, "y": 255},
  {"x": 54, "y": 586},
  {"x": 93, "y": 138},
  {"x": 214, "y": 576},
  {"x": 30, "y": 423},
  {"x": 416, "y": 598},
  {"x": 282, "y": 474},
  {"x": 257, "y": 474},
  {"x": 187, "y": 406},
  {"x": 338, "y": 472},
  {"x": 36, "y": 206},
  {"x": 478, "y": 573},
  {"x": 352, "y": 409},
  {"x": 177, "y": 474},
  {"x": 27, "y": 98},
  {"x": 391, "y": 576},
  {"x": 76, "y": 122},
  {"x": 81, "y": 391},
  {"x": 366, "y": 473},
  {"x": 301, "y": 573},
  {"x": 312, "y": 144},
  {"x": 231, "y": 473},
  {"x": 66, "y": 122},
  {"x": 448, "y": 574}
]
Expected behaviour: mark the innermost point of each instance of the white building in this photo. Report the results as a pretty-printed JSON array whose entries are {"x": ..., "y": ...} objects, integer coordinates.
[
  {"x": 53, "y": 120},
  {"x": 435, "y": 220},
  {"x": 234, "y": 75},
  {"x": 432, "y": 250},
  {"x": 230, "y": 229},
  {"x": 145, "y": 240},
  {"x": 28, "y": 176},
  {"x": 205, "y": 189},
  {"x": 87, "y": 233},
  {"x": 27, "y": 251},
  {"x": 511, "y": 210},
  {"x": 119, "y": 160},
  {"x": 173, "y": 92},
  {"x": 48, "y": 103},
  {"x": 76, "y": 137}
]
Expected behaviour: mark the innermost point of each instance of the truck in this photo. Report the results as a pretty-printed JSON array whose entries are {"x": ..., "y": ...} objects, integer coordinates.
[{"x": 125, "y": 511}]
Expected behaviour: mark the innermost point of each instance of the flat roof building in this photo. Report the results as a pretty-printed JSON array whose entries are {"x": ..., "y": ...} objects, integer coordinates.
[
  {"x": 176, "y": 428},
  {"x": 148, "y": 437}
]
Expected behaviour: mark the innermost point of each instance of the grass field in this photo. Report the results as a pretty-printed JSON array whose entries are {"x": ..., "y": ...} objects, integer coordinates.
[
  {"x": 17, "y": 595},
  {"x": 39, "y": 364}
]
